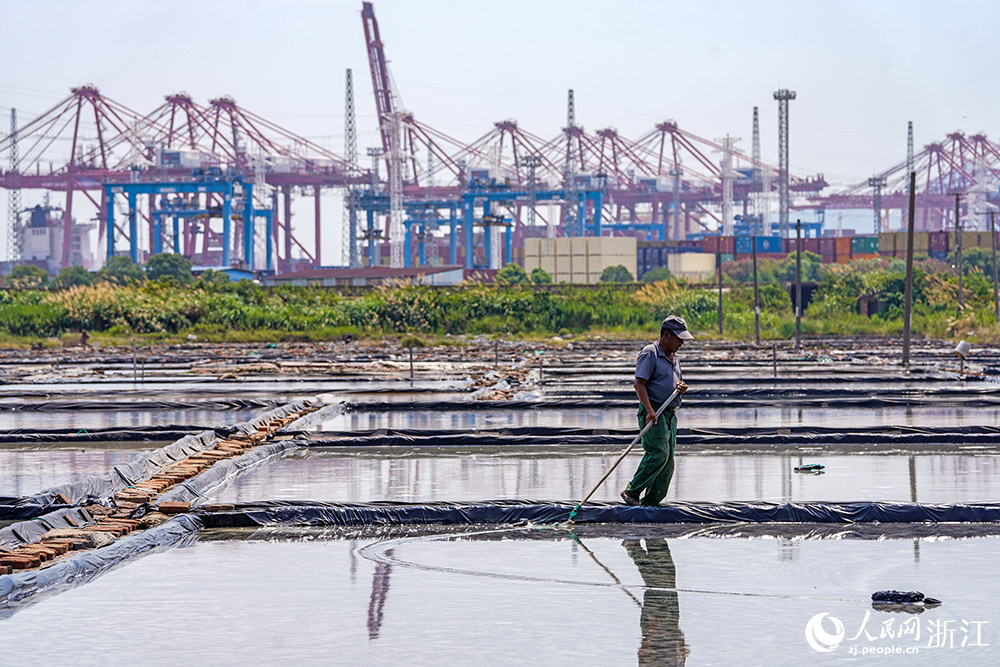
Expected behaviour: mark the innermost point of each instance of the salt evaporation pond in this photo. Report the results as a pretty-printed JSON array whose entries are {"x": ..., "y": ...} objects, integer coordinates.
[
  {"x": 492, "y": 473},
  {"x": 488, "y": 417},
  {"x": 601, "y": 596}
]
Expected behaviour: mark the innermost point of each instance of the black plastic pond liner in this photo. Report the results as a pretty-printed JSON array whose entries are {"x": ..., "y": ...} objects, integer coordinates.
[
  {"x": 139, "y": 406},
  {"x": 141, "y": 467},
  {"x": 598, "y": 400},
  {"x": 728, "y": 431},
  {"x": 26, "y": 532},
  {"x": 104, "y": 434},
  {"x": 686, "y": 437},
  {"x": 17, "y": 588},
  {"x": 101, "y": 487},
  {"x": 12, "y": 507},
  {"x": 518, "y": 511},
  {"x": 705, "y": 373},
  {"x": 763, "y": 387},
  {"x": 196, "y": 489}
]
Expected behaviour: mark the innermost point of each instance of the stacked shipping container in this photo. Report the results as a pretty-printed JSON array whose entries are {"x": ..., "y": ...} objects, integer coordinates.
[
  {"x": 581, "y": 263},
  {"x": 579, "y": 259},
  {"x": 936, "y": 245}
]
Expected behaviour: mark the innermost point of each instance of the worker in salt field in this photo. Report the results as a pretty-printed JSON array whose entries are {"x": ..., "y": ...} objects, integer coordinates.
[{"x": 657, "y": 374}]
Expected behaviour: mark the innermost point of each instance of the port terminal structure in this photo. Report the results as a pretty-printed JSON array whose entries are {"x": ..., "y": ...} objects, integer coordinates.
[
  {"x": 177, "y": 201},
  {"x": 435, "y": 190}
]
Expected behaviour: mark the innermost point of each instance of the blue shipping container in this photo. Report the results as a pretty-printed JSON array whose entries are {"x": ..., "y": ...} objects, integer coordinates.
[
  {"x": 769, "y": 244},
  {"x": 765, "y": 244}
]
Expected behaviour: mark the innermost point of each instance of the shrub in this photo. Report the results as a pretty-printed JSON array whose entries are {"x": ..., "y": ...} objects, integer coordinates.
[
  {"x": 656, "y": 275},
  {"x": 121, "y": 270},
  {"x": 616, "y": 274},
  {"x": 170, "y": 265},
  {"x": 72, "y": 276},
  {"x": 540, "y": 276},
  {"x": 512, "y": 274},
  {"x": 28, "y": 276}
]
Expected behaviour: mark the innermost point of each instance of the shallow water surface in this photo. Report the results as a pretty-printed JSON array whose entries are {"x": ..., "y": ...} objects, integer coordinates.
[
  {"x": 487, "y": 417},
  {"x": 628, "y": 595},
  {"x": 488, "y": 473},
  {"x": 125, "y": 418},
  {"x": 23, "y": 473}
]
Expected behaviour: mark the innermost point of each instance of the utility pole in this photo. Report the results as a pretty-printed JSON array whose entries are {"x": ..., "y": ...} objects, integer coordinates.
[
  {"x": 570, "y": 124},
  {"x": 958, "y": 253},
  {"x": 877, "y": 183},
  {"x": 909, "y": 154},
  {"x": 718, "y": 260},
  {"x": 783, "y": 96},
  {"x": 909, "y": 146},
  {"x": 569, "y": 167},
  {"x": 350, "y": 246},
  {"x": 14, "y": 195},
  {"x": 756, "y": 293},
  {"x": 993, "y": 244},
  {"x": 908, "y": 288},
  {"x": 757, "y": 186},
  {"x": 798, "y": 284}
]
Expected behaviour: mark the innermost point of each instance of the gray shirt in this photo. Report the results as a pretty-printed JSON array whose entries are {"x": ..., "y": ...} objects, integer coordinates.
[{"x": 660, "y": 375}]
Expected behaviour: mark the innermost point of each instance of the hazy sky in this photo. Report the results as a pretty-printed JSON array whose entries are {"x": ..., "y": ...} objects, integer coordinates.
[{"x": 861, "y": 69}]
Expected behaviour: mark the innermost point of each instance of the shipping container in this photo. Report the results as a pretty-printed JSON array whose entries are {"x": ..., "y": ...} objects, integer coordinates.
[
  {"x": 870, "y": 255},
  {"x": 765, "y": 244},
  {"x": 699, "y": 266},
  {"x": 828, "y": 246},
  {"x": 976, "y": 239},
  {"x": 939, "y": 254},
  {"x": 864, "y": 245},
  {"x": 769, "y": 244},
  {"x": 887, "y": 243},
  {"x": 727, "y": 244},
  {"x": 843, "y": 246},
  {"x": 726, "y": 257},
  {"x": 810, "y": 245},
  {"x": 938, "y": 241}
]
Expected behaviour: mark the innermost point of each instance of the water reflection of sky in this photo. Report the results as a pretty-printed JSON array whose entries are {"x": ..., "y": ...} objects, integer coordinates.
[
  {"x": 477, "y": 474},
  {"x": 93, "y": 419},
  {"x": 598, "y": 417},
  {"x": 595, "y": 600},
  {"x": 28, "y": 472}
]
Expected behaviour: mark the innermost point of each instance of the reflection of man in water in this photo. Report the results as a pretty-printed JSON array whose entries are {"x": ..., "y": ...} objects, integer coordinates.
[{"x": 662, "y": 639}]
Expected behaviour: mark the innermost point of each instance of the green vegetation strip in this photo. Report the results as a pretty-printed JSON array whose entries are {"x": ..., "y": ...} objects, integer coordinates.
[{"x": 863, "y": 297}]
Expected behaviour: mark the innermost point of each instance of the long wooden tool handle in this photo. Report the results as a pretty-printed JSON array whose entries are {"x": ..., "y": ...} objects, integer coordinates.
[{"x": 628, "y": 449}]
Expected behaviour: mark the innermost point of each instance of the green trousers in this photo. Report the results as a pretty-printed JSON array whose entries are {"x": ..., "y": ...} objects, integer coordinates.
[{"x": 657, "y": 466}]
